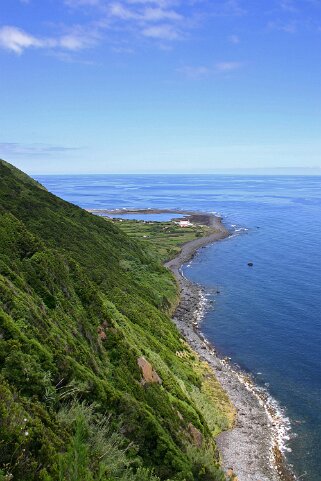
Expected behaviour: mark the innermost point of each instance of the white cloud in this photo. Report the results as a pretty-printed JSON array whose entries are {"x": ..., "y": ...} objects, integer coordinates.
[
  {"x": 73, "y": 42},
  {"x": 120, "y": 11},
  {"x": 156, "y": 14},
  {"x": 161, "y": 21},
  {"x": 17, "y": 40},
  {"x": 155, "y": 19},
  {"x": 168, "y": 20},
  {"x": 201, "y": 71},
  {"x": 162, "y": 32},
  {"x": 150, "y": 18}
]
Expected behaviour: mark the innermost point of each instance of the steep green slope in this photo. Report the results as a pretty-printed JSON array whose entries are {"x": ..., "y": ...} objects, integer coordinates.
[{"x": 95, "y": 381}]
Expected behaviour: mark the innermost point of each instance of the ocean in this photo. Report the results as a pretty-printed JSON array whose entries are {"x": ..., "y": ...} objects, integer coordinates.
[{"x": 266, "y": 318}]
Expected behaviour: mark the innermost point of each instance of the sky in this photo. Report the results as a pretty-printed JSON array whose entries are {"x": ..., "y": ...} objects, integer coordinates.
[{"x": 126, "y": 86}]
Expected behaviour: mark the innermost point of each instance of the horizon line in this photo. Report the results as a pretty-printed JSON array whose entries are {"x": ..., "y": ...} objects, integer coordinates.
[{"x": 250, "y": 172}]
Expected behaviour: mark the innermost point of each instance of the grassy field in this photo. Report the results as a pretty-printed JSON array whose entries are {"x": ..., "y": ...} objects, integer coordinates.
[{"x": 164, "y": 238}]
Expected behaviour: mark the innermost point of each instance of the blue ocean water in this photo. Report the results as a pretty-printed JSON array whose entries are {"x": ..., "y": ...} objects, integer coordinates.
[{"x": 266, "y": 318}]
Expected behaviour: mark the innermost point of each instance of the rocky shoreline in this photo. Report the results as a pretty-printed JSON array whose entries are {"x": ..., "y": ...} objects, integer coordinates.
[{"x": 253, "y": 448}]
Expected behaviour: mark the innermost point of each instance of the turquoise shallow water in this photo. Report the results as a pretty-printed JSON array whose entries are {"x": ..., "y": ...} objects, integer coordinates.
[{"x": 266, "y": 318}]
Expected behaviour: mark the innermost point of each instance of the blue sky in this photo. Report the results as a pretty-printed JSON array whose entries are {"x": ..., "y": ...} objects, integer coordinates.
[{"x": 98, "y": 86}]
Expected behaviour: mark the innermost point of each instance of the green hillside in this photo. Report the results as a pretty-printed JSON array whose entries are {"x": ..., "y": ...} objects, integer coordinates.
[{"x": 96, "y": 383}]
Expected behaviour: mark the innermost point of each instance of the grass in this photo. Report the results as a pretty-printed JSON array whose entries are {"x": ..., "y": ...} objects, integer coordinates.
[{"x": 163, "y": 238}]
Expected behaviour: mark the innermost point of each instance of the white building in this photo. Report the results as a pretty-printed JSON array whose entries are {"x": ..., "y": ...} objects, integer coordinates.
[{"x": 184, "y": 223}]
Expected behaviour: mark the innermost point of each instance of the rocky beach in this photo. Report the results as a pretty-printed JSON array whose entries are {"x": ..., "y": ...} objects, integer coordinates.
[{"x": 253, "y": 449}]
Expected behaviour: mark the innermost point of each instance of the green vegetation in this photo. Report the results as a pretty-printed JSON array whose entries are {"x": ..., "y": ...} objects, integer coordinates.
[
  {"x": 80, "y": 302},
  {"x": 163, "y": 238}
]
